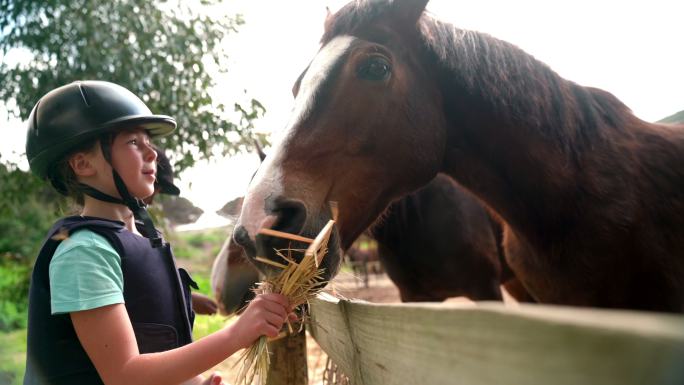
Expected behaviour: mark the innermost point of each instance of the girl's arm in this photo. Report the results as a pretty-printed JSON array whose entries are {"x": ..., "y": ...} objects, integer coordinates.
[{"x": 107, "y": 336}]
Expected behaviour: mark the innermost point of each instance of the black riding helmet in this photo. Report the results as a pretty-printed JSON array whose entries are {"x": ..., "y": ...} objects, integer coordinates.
[{"x": 83, "y": 111}]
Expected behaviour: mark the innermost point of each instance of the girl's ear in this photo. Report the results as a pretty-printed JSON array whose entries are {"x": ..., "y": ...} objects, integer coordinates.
[{"x": 82, "y": 165}]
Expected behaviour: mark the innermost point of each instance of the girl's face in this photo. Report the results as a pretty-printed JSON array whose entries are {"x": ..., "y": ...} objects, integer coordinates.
[{"x": 136, "y": 161}]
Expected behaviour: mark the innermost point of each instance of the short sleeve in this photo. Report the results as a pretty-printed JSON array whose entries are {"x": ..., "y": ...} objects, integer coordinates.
[{"x": 85, "y": 273}]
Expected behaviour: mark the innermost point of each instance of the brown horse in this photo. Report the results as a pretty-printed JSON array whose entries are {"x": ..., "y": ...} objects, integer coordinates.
[
  {"x": 363, "y": 261},
  {"x": 592, "y": 196},
  {"x": 233, "y": 278},
  {"x": 359, "y": 260},
  {"x": 439, "y": 242}
]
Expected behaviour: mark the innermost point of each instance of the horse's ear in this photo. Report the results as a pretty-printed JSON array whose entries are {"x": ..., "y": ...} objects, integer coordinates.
[
  {"x": 260, "y": 152},
  {"x": 328, "y": 18},
  {"x": 409, "y": 11}
]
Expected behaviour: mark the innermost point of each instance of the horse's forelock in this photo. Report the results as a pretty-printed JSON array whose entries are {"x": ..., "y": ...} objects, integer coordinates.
[
  {"x": 353, "y": 15},
  {"x": 362, "y": 13}
]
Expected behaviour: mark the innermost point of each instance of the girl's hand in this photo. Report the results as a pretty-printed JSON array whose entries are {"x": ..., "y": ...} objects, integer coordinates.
[
  {"x": 214, "y": 379},
  {"x": 202, "y": 304},
  {"x": 264, "y": 315}
]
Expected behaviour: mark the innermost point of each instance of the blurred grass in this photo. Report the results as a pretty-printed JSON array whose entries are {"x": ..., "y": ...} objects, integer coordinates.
[
  {"x": 14, "y": 284},
  {"x": 196, "y": 250},
  {"x": 12, "y": 357},
  {"x": 207, "y": 324}
]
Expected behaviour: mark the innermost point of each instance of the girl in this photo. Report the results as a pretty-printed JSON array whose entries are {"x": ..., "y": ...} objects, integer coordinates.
[{"x": 107, "y": 303}]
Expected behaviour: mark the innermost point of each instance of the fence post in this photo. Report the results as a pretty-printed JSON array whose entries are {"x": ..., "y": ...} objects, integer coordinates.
[{"x": 288, "y": 361}]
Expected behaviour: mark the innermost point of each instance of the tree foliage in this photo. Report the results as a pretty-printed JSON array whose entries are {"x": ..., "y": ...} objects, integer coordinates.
[
  {"x": 676, "y": 118},
  {"x": 28, "y": 207},
  {"x": 162, "y": 51}
]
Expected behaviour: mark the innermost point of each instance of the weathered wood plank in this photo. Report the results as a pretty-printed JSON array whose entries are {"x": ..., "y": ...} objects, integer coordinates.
[{"x": 488, "y": 343}]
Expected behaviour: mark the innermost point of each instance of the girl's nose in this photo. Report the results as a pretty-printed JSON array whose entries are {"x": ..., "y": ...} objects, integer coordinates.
[{"x": 150, "y": 153}]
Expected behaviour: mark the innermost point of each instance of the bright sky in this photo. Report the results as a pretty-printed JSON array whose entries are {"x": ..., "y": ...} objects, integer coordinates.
[{"x": 631, "y": 48}]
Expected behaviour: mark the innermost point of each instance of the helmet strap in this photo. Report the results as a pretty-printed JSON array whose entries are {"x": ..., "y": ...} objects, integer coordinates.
[
  {"x": 139, "y": 209},
  {"x": 99, "y": 195}
]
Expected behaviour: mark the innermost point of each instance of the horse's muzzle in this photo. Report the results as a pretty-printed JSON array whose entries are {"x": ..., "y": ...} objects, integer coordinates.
[
  {"x": 287, "y": 216},
  {"x": 241, "y": 237}
]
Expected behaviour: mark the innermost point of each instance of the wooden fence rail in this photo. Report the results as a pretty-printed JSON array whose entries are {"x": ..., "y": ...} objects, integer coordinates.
[{"x": 488, "y": 343}]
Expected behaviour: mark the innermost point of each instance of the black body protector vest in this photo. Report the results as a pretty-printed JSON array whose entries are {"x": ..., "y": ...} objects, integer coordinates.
[{"x": 156, "y": 294}]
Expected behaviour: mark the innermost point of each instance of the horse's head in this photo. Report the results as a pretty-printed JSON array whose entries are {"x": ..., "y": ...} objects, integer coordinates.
[{"x": 366, "y": 128}]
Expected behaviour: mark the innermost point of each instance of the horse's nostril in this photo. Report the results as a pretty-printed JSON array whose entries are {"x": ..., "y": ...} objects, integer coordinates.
[
  {"x": 241, "y": 237},
  {"x": 291, "y": 216}
]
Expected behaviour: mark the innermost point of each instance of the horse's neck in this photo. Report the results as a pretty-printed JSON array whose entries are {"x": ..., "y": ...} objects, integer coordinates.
[
  {"x": 520, "y": 143},
  {"x": 541, "y": 174},
  {"x": 503, "y": 176}
]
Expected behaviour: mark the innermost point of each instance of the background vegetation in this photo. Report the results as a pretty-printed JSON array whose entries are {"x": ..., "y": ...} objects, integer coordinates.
[
  {"x": 674, "y": 118},
  {"x": 28, "y": 208},
  {"x": 163, "y": 51}
]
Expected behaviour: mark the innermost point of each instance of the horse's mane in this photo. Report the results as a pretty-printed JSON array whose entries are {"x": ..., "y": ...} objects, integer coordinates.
[{"x": 518, "y": 86}]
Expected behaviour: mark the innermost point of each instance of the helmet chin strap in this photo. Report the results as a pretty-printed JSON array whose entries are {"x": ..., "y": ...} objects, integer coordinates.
[
  {"x": 139, "y": 209},
  {"x": 137, "y": 206}
]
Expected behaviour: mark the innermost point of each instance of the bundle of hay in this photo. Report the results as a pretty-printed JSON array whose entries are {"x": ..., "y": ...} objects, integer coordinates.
[{"x": 298, "y": 281}]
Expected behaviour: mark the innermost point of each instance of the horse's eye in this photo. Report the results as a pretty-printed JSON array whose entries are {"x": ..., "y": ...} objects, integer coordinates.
[{"x": 374, "y": 68}]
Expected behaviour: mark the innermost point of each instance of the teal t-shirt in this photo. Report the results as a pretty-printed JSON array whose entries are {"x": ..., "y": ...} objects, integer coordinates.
[{"x": 85, "y": 273}]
